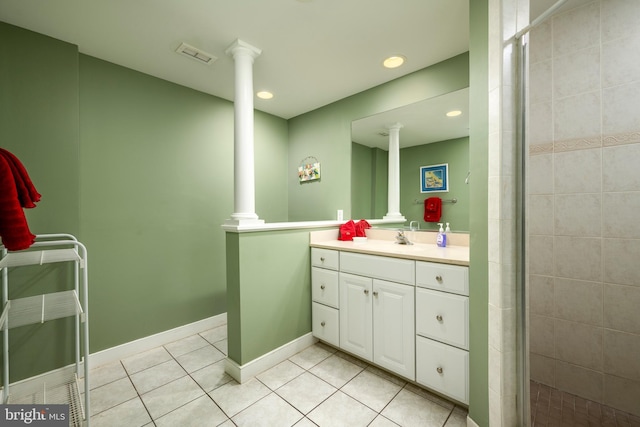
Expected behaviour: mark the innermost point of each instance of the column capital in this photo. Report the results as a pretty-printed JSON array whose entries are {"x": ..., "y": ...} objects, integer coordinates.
[
  {"x": 395, "y": 126},
  {"x": 239, "y": 46}
]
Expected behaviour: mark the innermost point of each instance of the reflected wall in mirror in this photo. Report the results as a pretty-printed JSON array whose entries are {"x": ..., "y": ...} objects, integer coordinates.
[{"x": 428, "y": 136}]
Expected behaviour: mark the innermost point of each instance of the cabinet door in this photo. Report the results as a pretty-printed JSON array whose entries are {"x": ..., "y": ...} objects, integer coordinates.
[
  {"x": 393, "y": 327},
  {"x": 355, "y": 315}
]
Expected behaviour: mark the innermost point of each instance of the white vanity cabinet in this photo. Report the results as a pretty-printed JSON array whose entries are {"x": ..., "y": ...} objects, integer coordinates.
[
  {"x": 377, "y": 310},
  {"x": 377, "y": 322},
  {"x": 408, "y": 316},
  {"x": 442, "y": 328}
]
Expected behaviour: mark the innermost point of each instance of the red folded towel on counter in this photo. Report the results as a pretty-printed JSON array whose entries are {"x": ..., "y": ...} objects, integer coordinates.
[
  {"x": 432, "y": 209},
  {"x": 350, "y": 229},
  {"x": 16, "y": 192},
  {"x": 360, "y": 227}
]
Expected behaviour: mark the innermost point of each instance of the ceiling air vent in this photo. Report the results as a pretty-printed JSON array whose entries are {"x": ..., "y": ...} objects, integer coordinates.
[{"x": 197, "y": 54}]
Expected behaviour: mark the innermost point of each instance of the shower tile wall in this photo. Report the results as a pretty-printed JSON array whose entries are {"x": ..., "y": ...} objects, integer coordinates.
[{"x": 584, "y": 202}]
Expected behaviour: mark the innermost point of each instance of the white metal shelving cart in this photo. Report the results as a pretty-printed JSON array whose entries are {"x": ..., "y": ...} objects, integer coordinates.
[{"x": 61, "y": 387}]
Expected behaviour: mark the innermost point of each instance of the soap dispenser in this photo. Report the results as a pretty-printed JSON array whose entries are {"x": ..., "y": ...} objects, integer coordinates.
[
  {"x": 447, "y": 230},
  {"x": 441, "y": 240}
]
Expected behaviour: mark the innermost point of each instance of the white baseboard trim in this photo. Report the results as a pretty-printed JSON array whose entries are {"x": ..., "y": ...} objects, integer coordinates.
[
  {"x": 256, "y": 366},
  {"x": 471, "y": 423},
  {"x": 122, "y": 351},
  {"x": 125, "y": 350}
]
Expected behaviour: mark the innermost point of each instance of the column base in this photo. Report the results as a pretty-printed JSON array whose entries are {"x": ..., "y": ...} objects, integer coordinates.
[
  {"x": 243, "y": 221},
  {"x": 397, "y": 216}
]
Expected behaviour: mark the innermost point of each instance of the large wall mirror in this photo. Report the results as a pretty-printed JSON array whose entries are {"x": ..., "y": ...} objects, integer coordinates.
[{"x": 428, "y": 137}]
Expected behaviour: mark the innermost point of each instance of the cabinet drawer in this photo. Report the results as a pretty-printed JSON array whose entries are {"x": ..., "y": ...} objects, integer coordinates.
[
  {"x": 443, "y": 317},
  {"x": 324, "y": 286},
  {"x": 443, "y": 368},
  {"x": 443, "y": 277},
  {"x": 325, "y": 258},
  {"x": 325, "y": 323},
  {"x": 378, "y": 267}
]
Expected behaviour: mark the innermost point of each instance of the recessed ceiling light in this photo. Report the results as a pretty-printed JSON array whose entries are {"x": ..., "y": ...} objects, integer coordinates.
[
  {"x": 394, "y": 61},
  {"x": 454, "y": 113},
  {"x": 263, "y": 94}
]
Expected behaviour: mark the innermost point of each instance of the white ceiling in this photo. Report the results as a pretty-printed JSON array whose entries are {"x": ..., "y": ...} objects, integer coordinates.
[
  {"x": 314, "y": 52},
  {"x": 423, "y": 122}
]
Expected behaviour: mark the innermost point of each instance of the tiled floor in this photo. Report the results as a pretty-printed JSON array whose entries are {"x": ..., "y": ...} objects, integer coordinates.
[
  {"x": 184, "y": 384},
  {"x": 551, "y": 408}
]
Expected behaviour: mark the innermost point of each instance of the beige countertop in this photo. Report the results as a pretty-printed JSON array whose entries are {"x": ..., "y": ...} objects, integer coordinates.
[{"x": 384, "y": 245}]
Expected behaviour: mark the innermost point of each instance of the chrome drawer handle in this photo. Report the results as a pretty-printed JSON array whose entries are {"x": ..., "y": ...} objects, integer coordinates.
[
  {"x": 366, "y": 291},
  {"x": 322, "y": 323},
  {"x": 375, "y": 293},
  {"x": 322, "y": 258},
  {"x": 439, "y": 318},
  {"x": 321, "y": 286},
  {"x": 439, "y": 279},
  {"x": 439, "y": 370}
]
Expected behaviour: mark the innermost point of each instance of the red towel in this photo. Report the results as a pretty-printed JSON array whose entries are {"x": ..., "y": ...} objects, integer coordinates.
[
  {"x": 16, "y": 191},
  {"x": 361, "y": 226},
  {"x": 432, "y": 209},
  {"x": 347, "y": 231}
]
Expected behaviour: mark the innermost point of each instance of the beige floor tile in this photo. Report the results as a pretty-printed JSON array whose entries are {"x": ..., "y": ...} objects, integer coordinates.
[
  {"x": 280, "y": 374},
  {"x": 216, "y": 334},
  {"x": 269, "y": 411},
  {"x": 223, "y": 346},
  {"x": 146, "y": 360},
  {"x": 381, "y": 421},
  {"x": 156, "y": 376},
  {"x": 305, "y": 422},
  {"x": 372, "y": 390},
  {"x": 186, "y": 345},
  {"x": 173, "y": 395},
  {"x": 408, "y": 409},
  {"x": 212, "y": 376},
  {"x": 200, "y": 358},
  {"x": 112, "y": 394},
  {"x": 311, "y": 356},
  {"x": 306, "y": 392},
  {"x": 199, "y": 412},
  {"x": 105, "y": 374},
  {"x": 132, "y": 413},
  {"x": 341, "y": 410},
  {"x": 233, "y": 397},
  {"x": 336, "y": 370}
]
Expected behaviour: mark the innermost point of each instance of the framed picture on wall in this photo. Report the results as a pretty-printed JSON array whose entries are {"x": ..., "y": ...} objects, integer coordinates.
[
  {"x": 434, "y": 178},
  {"x": 309, "y": 170}
]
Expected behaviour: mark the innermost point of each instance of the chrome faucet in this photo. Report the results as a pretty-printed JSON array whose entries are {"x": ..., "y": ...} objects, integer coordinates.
[
  {"x": 401, "y": 239},
  {"x": 414, "y": 225}
]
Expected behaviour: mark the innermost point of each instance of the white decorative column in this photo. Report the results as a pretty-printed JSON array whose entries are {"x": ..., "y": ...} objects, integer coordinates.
[
  {"x": 244, "y": 178},
  {"x": 394, "y": 175}
]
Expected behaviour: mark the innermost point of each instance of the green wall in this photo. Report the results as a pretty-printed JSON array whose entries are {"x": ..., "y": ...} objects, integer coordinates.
[
  {"x": 140, "y": 170},
  {"x": 369, "y": 184},
  {"x": 455, "y": 152},
  {"x": 39, "y": 118},
  {"x": 478, "y": 218},
  {"x": 156, "y": 184},
  {"x": 269, "y": 289},
  {"x": 362, "y": 184},
  {"x": 326, "y": 134}
]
